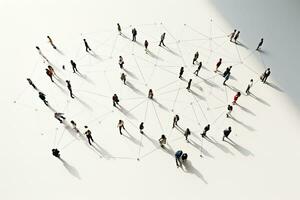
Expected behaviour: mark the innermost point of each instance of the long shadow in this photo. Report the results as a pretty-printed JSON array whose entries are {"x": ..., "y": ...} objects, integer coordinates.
[
  {"x": 126, "y": 112},
  {"x": 102, "y": 151},
  {"x": 169, "y": 150},
  {"x": 85, "y": 77},
  {"x": 197, "y": 95},
  {"x": 124, "y": 36},
  {"x": 189, "y": 168},
  {"x": 233, "y": 88},
  {"x": 150, "y": 53},
  {"x": 218, "y": 145},
  {"x": 246, "y": 110},
  {"x": 274, "y": 86},
  {"x": 209, "y": 83},
  {"x": 61, "y": 88},
  {"x": 239, "y": 148},
  {"x": 130, "y": 85},
  {"x": 161, "y": 105},
  {"x": 259, "y": 99},
  {"x": 132, "y": 139},
  {"x": 84, "y": 103},
  {"x": 198, "y": 87},
  {"x": 250, "y": 128},
  {"x": 263, "y": 51},
  {"x": 72, "y": 170},
  {"x": 60, "y": 51},
  {"x": 95, "y": 55},
  {"x": 179, "y": 129},
  {"x": 200, "y": 148},
  {"x": 130, "y": 74},
  {"x": 171, "y": 51},
  {"x": 154, "y": 142},
  {"x": 231, "y": 77},
  {"x": 242, "y": 45}
]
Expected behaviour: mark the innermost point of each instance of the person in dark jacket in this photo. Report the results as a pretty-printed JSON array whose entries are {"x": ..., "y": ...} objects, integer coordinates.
[
  {"x": 226, "y": 133},
  {"x": 260, "y": 44},
  {"x": 206, "y": 128}
]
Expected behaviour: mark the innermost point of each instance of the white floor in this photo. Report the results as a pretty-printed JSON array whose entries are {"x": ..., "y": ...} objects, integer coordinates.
[{"x": 261, "y": 161}]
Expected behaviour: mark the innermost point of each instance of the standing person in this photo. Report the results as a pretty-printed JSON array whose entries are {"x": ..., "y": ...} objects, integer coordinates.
[
  {"x": 74, "y": 66},
  {"x": 196, "y": 56},
  {"x": 121, "y": 126},
  {"x": 231, "y": 35},
  {"x": 59, "y": 117},
  {"x": 134, "y": 33},
  {"x": 206, "y": 128},
  {"x": 116, "y": 100},
  {"x": 229, "y": 108},
  {"x": 187, "y": 133},
  {"x": 162, "y": 38},
  {"x": 189, "y": 85},
  {"x": 226, "y": 77},
  {"x": 52, "y": 70},
  {"x": 265, "y": 75},
  {"x": 70, "y": 88},
  {"x": 146, "y": 44},
  {"x": 87, "y": 47},
  {"x": 43, "y": 98},
  {"x": 162, "y": 141},
  {"x": 74, "y": 126},
  {"x": 226, "y": 133},
  {"x": 31, "y": 83},
  {"x": 123, "y": 78},
  {"x": 41, "y": 54},
  {"x": 119, "y": 28},
  {"x": 50, "y": 74},
  {"x": 88, "y": 134},
  {"x": 236, "y": 37},
  {"x": 178, "y": 155},
  {"x": 235, "y": 98},
  {"x": 175, "y": 121},
  {"x": 198, "y": 69},
  {"x": 150, "y": 94},
  {"x": 184, "y": 157},
  {"x": 51, "y": 42},
  {"x": 121, "y": 62},
  {"x": 181, "y": 72},
  {"x": 249, "y": 86},
  {"x": 260, "y": 44},
  {"x": 218, "y": 64},
  {"x": 55, "y": 153},
  {"x": 141, "y": 127},
  {"x": 228, "y": 69}
]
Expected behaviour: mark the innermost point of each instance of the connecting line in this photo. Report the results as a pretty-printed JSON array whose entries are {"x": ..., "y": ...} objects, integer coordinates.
[
  {"x": 218, "y": 118},
  {"x": 155, "y": 67},
  {"x": 68, "y": 144},
  {"x": 137, "y": 105},
  {"x": 195, "y": 114},
  {"x": 114, "y": 44},
  {"x": 196, "y": 31},
  {"x": 62, "y": 134},
  {"x": 176, "y": 97},
  {"x": 203, "y": 80},
  {"x": 252, "y": 70},
  {"x": 95, "y": 119},
  {"x": 98, "y": 94},
  {"x": 238, "y": 52},
  {"x": 253, "y": 51},
  {"x": 200, "y": 107},
  {"x": 261, "y": 58},
  {"x": 140, "y": 70},
  {"x": 54, "y": 141},
  {"x": 145, "y": 116},
  {"x": 158, "y": 118},
  {"x": 164, "y": 86}
]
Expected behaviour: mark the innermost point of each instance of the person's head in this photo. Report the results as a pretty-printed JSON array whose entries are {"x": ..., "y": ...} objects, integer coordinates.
[
  {"x": 208, "y": 125},
  {"x": 38, "y": 48},
  {"x": 268, "y": 69},
  {"x": 251, "y": 80},
  {"x": 72, "y": 122},
  {"x": 84, "y": 40},
  {"x": 118, "y": 24},
  {"x": 85, "y": 126},
  {"x": 220, "y": 59},
  {"x": 229, "y": 128},
  {"x": 230, "y": 67},
  {"x": 234, "y": 30},
  {"x": 238, "y": 32},
  {"x": 239, "y": 93},
  {"x": 262, "y": 39},
  {"x": 163, "y": 136},
  {"x": 48, "y": 36}
]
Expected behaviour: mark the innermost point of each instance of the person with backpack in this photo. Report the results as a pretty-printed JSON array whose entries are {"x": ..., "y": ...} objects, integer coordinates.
[
  {"x": 55, "y": 153},
  {"x": 123, "y": 78},
  {"x": 116, "y": 100}
]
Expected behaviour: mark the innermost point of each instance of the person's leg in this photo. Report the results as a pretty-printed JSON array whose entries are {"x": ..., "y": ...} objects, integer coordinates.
[
  {"x": 120, "y": 129},
  {"x": 89, "y": 140}
]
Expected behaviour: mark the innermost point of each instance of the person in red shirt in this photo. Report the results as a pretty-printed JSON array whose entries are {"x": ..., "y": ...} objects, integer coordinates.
[{"x": 235, "y": 98}]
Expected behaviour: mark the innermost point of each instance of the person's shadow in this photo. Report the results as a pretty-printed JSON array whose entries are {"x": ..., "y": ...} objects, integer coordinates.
[
  {"x": 189, "y": 168},
  {"x": 239, "y": 148},
  {"x": 72, "y": 170}
]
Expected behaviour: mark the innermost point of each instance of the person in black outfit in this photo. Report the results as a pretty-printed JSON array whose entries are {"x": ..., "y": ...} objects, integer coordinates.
[
  {"x": 119, "y": 29},
  {"x": 260, "y": 44},
  {"x": 187, "y": 133},
  {"x": 87, "y": 47},
  {"x": 43, "y": 98},
  {"x": 206, "y": 128},
  {"x": 70, "y": 88},
  {"x": 74, "y": 67},
  {"x": 162, "y": 38},
  {"x": 198, "y": 69},
  {"x": 265, "y": 75},
  {"x": 189, "y": 85},
  {"x": 146, "y": 44},
  {"x": 31, "y": 83},
  {"x": 226, "y": 133},
  {"x": 142, "y": 128},
  {"x": 55, "y": 152},
  {"x": 88, "y": 134},
  {"x": 181, "y": 72},
  {"x": 228, "y": 69},
  {"x": 116, "y": 100},
  {"x": 195, "y": 57},
  {"x": 237, "y": 35},
  {"x": 134, "y": 33},
  {"x": 175, "y": 120}
]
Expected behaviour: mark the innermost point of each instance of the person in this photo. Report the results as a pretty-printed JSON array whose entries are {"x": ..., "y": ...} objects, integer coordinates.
[
  {"x": 146, "y": 44},
  {"x": 41, "y": 54},
  {"x": 121, "y": 62},
  {"x": 123, "y": 78},
  {"x": 141, "y": 127},
  {"x": 187, "y": 133},
  {"x": 226, "y": 133},
  {"x": 237, "y": 35},
  {"x": 134, "y": 33},
  {"x": 63, "y": 67},
  {"x": 55, "y": 152},
  {"x": 249, "y": 86},
  {"x": 206, "y": 128},
  {"x": 74, "y": 126},
  {"x": 51, "y": 70},
  {"x": 88, "y": 134},
  {"x": 181, "y": 72},
  {"x": 231, "y": 35},
  {"x": 175, "y": 120},
  {"x": 74, "y": 67},
  {"x": 70, "y": 88},
  {"x": 198, "y": 69},
  {"x": 189, "y": 85},
  {"x": 229, "y": 108},
  {"x": 51, "y": 42},
  {"x": 150, "y": 94},
  {"x": 260, "y": 44},
  {"x": 87, "y": 47},
  {"x": 50, "y": 74},
  {"x": 121, "y": 125},
  {"x": 43, "y": 98},
  {"x": 184, "y": 157},
  {"x": 228, "y": 69},
  {"x": 31, "y": 83},
  {"x": 195, "y": 57},
  {"x": 218, "y": 64},
  {"x": 162, "y": 38},
  {"x": 265, "y": 75},
  {"x": 116, "y": 100},
  {"x": 59, "y": 117},
  {"x": 226, "y": 77},
  {"x": 178, "y": 155},
  {"x": 162, "y": 140},
  {"x": 235, "y": 98},
  {"x": 119, "y": 28}
]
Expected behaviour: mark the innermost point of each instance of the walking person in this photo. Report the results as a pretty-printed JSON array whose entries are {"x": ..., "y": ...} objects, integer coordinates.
[
  {"x": 195, "y": 57},
  {"x": 88, "y": 134},
  {"x": 229, "y": 109},
  {"x": 265, "y": 75},
  {"x": 119, "y": 29},
  {"x": 123, "y": 78},
  {"x": 59, "y": 117},
  {"x": 206, "y": 128},
  {"x": 189, "y": 85},
  {"x": 74, "y": 66},
  {"x": 231, "y": 35},
  {"x": 236, "y": 97},
  {"x": 50, "y": 74},
  {"x": 70, "y": 88},
  {"x": 51, "y": 42},
  {"x": 150, "y": 94},
  {"x": 121, "y": 62},
  {"x": 218, "y": 64},
  {"x": 162, "y": 38},
  {"x": 198, "y": 69},
  {"x": 41, "y": 54},
  {"x": 55, "y": 153},
  {"x": 226, "y": 133},
  {"x": 228, "y": 69},
  {"x": 249, "y": 86},
  {"x": 43, "y": 98},
  {"x": 178, "y": 155},
  {"x": 162, "y": 141},
  {"x": 175, "y": 121},
  {"x": 31, "y": 83},
  {"x": 121, "y": 126},
  {"x": 187, "y": 133},
  {"x": 184, "y": 157},
  {"x": 226, "y": 77},
  {"x": 141, "y": 127},
  {"x": 87, "y": 47},
  {"x": 116, "y": 100},
  {"x": 181, "y": 72},
  {"x": 146, "y": 44},
  {"x": 74, "y": 126},
  {"x": 260, "y": 44},
  {"x": 134, "y": 33},
  {"x": 237, "y": 35}
]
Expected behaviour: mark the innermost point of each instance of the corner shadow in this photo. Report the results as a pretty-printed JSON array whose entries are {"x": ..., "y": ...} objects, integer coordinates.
[
  {"x": 250, "y": 128},
  {"x": 200, "y": 148},
  {"x": 189, "y": 168},
  {"x": 130, "y": 74},
  {"x": 239, "y": 148},
  {"x": 246, "y": 110},
  {"x": 218, "y": 145},
  {"x": 259, "y": 99},
  {"x": 274, "y": 86},
  {"x": 72, "y": 170}
]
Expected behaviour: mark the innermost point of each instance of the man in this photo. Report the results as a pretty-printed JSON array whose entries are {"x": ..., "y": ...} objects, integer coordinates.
[
  {"x": 232, "y": 35},
  {"x": 134, "y": 33},
  {"x": 146, "y": 44},
  {"x": 88, "y": 134},
  {"x": 162, "y": 38},
  {"x": 189, "y": 85},
  {"x": 31, "y": 83},
  {"x": 116, "y": 100},
  {"x": 175, "y": 121},
  {"x": 260, "y": 44},
  {"x": 51, "y": 42},
  {"x": 74, "y": 67},
  {"x": 195, "y": 57},
  {"x": 198, "y": 69},
  {"x": 119, "y": 29},
  {"x": 226, "y": 133},
  {"x": 181, "y": 72},
  {"x": 123, "y": 78},
  {"x": 218, "y": 64},
  {"x": 55, "y": 152},
  {"x": 187, "y": 133},
  {"x": 229, "y": 108},
  {"x": 43, "y": 98},
  {"x": 206, "y": 128},
  {"x": 249, "y": 86},
  {"x": 70, "y": 88},
  {"x": 162, "y": 141},
  {"x": 87, "y": 47},
  {"x": 178, "y": 155},
  {"x": 226, "y": 78},
  {"x": 265, "y": 75},
  {"x": 121, "y": 126},
  {"x": 59, "y": 117},
  {"x": 236, "y": 37},
  {"x": 141, "y": 128},
  {"x": 121, "y": 62}
]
